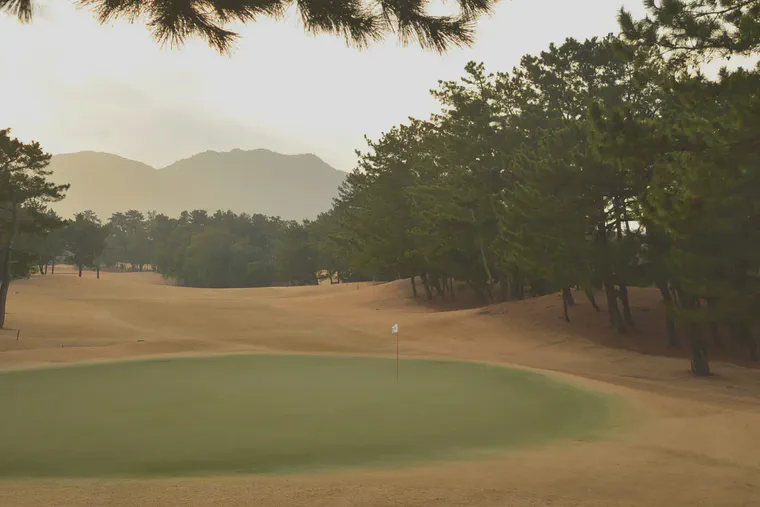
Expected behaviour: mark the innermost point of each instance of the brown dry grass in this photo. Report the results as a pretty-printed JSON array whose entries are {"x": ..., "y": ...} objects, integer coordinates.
[{"x": 695, "y": 442}]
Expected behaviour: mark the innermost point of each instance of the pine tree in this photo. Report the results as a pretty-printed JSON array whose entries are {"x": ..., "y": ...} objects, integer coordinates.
[
  {"x": 23, "y": 186},
  {"x": 360, "y": 22}
]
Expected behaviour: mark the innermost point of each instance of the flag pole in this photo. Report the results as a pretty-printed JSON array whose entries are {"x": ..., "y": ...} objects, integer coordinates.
[
  {"x": 397, "y": 356},
  {"x": 394, "y": 330}
]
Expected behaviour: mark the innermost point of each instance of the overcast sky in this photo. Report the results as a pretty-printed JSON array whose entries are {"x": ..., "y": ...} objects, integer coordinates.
[{"x": 74, "y": 85}]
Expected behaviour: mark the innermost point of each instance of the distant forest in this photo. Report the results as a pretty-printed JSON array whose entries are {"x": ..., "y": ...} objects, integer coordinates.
[
  {"x": 197, "y": 249},
  {"x": 598, "y": 165}
]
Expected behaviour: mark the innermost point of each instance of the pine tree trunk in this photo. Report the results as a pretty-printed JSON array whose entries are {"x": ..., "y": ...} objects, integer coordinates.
[
  {"x": 426, "y": 284},
  {"x": 4, "y": 286},
  {"x": 98, "y": 270},
  {"x": 568, "y": 296},
  {"x": 80, "y": 271},
  {"x": 518, "y": 289},
  {"x": 52, "y": 266},
  {"x": 414, "y": 287},
  {"x": 591, "y": 299},
  {"x": 46, "y": 266},
  {"x": 699, "y": 362},
  {"x": 5, "y": 268},
  {"x": 451, "y": 285},
  {"x": 42, "y": 270},
  {"x": 504, "y": 288},
  {"x": 437, "y": 284},
  {"x": 482, "y": 248},
  {"x": 623, "y": 292},
  {"x": 565, "y": 299},
  {"x": 669, "y": 322},
  {"x": 616, "y": 320}
]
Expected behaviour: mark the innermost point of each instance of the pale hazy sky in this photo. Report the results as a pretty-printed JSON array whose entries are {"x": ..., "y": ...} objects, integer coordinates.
[{"x": 74, "y": 85}]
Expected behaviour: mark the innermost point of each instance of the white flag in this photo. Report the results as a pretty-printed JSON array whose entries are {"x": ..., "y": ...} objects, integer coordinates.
[{"x": 394, "y": 329}]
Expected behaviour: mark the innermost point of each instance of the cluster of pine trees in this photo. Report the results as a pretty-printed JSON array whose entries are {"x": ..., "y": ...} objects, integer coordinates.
[
  {"x": 196, "y": 249},
  {"x": 598, "y": 165},
  {"x": 220, "y": 250}
]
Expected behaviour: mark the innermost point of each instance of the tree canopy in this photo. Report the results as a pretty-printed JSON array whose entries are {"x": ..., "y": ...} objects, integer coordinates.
[
  {"x": 360, "y": 22},
  {"x": 24, "y": 192},
  {"x": 697, "y": 28}
]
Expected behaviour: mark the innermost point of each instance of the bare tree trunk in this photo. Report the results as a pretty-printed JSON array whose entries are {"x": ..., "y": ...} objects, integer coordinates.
[
  {"x": 426, "y": 284},
  {"x": 568, "y": 296},
  {"x": 5, "y": 269},
  {"x": 4, "y": 286},
  {"x": 591, "y": 299},
  {"x": 518, "y": 289},
  {"x": 616, "y": 320},
  {"x": 488, "y": 293},
  {"x": 669, "y": 322},
  {"x": 623, "y": 292},
  {"x": 699, "y": 362},
  {"x": 483, "y": 259},
  {"x": 565, "y": 298},
  {"x": 437, "y": 284}
]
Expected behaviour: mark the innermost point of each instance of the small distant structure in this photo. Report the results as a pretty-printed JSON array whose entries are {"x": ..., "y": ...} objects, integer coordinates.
[{"x": 326, "y": 277}]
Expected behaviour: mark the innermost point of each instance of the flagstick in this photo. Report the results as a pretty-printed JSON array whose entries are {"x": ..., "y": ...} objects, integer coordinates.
[{"x": 397, "y": 356}]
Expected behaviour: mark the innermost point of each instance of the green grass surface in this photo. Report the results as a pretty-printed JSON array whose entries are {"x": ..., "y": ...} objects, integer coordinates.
[{"x": 267, "y": 414}]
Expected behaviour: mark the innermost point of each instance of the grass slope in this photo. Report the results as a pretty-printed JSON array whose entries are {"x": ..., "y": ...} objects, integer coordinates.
[{"x": 261, "y": 414}]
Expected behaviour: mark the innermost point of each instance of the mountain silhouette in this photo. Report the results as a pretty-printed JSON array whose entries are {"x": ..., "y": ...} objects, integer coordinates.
[{"x": 256, "y": 181}]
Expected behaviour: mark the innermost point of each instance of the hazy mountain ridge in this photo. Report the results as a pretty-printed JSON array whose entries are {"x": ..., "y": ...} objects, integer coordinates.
[{"x": 255, "y": 181}]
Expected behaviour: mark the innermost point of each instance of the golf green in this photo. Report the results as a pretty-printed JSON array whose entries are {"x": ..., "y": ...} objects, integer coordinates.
[{"x": 274, "y": 414}]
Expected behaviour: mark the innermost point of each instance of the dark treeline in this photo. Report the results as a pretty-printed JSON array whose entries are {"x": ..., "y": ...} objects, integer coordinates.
[
  {"x": 597, "y": 165},
  {"x": 223, "y": 249}
]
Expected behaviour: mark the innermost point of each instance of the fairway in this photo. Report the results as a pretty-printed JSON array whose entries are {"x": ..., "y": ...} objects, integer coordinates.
[{"x": 274, "y": 414}]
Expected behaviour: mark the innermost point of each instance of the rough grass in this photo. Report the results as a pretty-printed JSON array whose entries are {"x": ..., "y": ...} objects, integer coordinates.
[{"x": 274, "y": 414}]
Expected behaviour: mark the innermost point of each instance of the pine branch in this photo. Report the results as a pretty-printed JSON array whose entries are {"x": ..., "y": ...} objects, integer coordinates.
[{"x": 360, "y": 22}]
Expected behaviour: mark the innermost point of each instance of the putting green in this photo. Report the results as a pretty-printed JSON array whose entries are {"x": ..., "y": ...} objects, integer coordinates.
[{"x": 264, "y": 414}]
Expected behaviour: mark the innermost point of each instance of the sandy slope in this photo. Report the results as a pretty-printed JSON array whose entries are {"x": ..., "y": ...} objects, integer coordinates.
[{"x": 689, "y": 442}]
